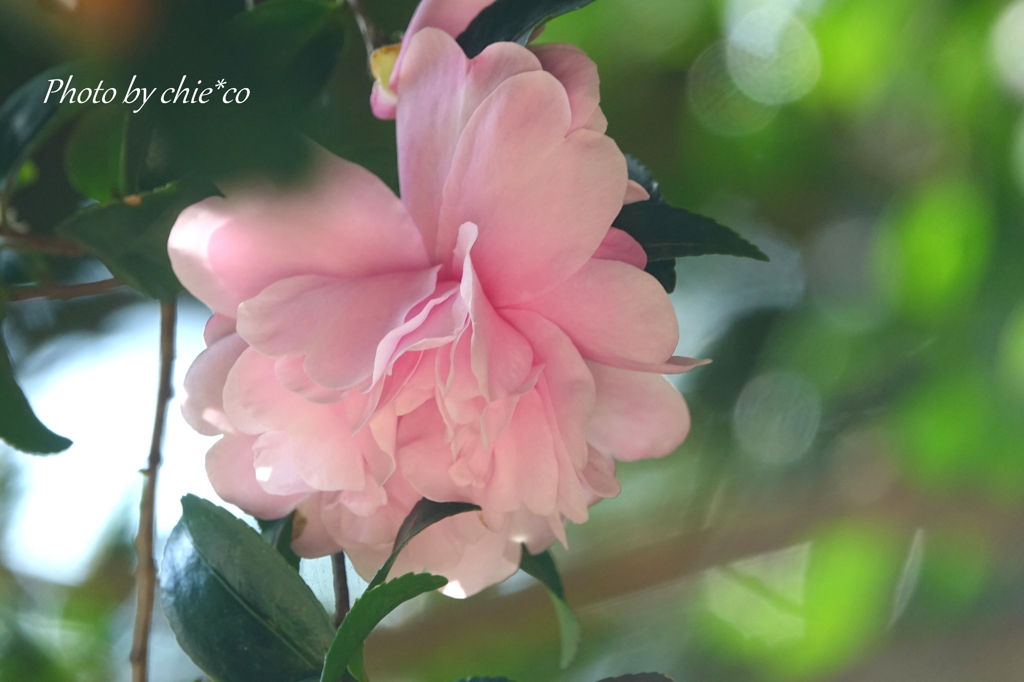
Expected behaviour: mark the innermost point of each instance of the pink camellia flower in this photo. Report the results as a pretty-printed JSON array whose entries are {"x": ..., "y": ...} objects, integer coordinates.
[
  {"x": 488, "y": 338},
  {"x": 450, "y": 16},
  {"x": 453, "y": 17}
]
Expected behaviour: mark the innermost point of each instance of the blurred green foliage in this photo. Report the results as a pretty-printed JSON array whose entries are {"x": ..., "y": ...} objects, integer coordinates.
[{"x": 890, "y": 196}]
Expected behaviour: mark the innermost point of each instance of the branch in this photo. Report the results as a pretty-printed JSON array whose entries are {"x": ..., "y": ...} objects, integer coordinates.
[
  {"x": 146, "y": 572},
  {"x": 340, "y": 588},
  {"x": 53, "y": 246},
  {"x": 786, "y": 521},
  {"x": 63, "y": 292},
  {"x": 371, "y": 34}
]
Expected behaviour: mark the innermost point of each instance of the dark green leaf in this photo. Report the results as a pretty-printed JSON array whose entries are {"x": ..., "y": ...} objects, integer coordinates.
[
  {"x": 664, "y": 271},
  {"x": 640, "y": 677},
  {"x": 485, "y": 679},
  {"x": 19, "y": 426},
  {"x": 24, "y": 117},
  {"x": 425, "y": 513},
  {"x": 369, "y": 610},
  {"x": 95, "y": 155},
  {"x": 238, "y": 609},
  {"x": 667, "y": 232},
  {"x": 278, "y": 533},
  {"x": 130, "y": 236},
  {"x": 512, "y": 21},
  {"x": 542, "y": 567},
  {"x": 295, "y": 42}
]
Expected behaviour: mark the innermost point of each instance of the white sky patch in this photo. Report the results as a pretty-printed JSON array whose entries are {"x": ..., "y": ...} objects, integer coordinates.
[{"x": 100, "y": 391}]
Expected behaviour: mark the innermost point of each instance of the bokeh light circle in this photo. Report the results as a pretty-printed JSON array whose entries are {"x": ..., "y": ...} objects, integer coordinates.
[
  {"x": 776, "y": 417},
  {"x": 718, "y": 103},
  {"x": 773, "y": 57},
  {"x": 1008, "y": 47}
]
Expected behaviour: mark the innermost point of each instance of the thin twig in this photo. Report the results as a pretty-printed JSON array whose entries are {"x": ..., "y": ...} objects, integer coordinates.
[
  {"x": 63, "y": 292},
  {"x": 372, "y": 37},
  {"x": 340, "y": 588},
  {"x": 53, "y": 246},
  {"x": 146, "y": 572}
]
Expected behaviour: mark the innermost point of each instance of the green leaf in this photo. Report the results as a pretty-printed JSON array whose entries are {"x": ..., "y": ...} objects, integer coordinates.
[
  {"x": 664, "y": 271},
  {"x": 95, "y": 155},
  {"x": 369, "y": 610},
  {"x": 278, "y": 533},
  {"x": 640, "y": 677},
  {"x": 19, "y": 426},
  {"x": 424, "y": 514},
  {"x": 294, "y": 42},
  {"x": 542, "y": 567},
  {"x": 667, "y": 232},
  {"x": 130, "y": 236},
  {"x": 238, "y": 609},
  {"x": 357, "y": 667},
  {"x": 485, "y": 679},
  {"x": 24, "y": 118},
  {"x": 512, "y": 21}
]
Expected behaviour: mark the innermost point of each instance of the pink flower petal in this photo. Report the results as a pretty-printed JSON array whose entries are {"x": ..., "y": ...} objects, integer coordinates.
[
  {"x": 526, "y": 454},
  {"x": 638, "y": 415},
  {"x": 599, "y": 475},
  {"x": 424, "y": 458},
  {"x": 274, "y": 462},
  {"x": 500, "y": 357},
  {"x": 203, "y": 407},
  {"x": 344, "y": 222},
  {"x": 429, "y": 126},
  {"x": 578, "y": 74},
  {"x": 310, "y": 536},
  {"x": 613, "y": 312},
  {"x": 618, "y": 245},
  {"x": 490, "y": 558},
  {"x": 677, "y": 364},
  {"x": 543, "y": 201},
  {"x": 383, "y": 103},
  {"x": 318, "y": 316},
  {"x": 635, "y": 192},
  {"x": 566, "y": 379},
  {"x": 229, "y": 464},
  {"x": 326, "y": 453},
  {"x": 217, "y": 327}
]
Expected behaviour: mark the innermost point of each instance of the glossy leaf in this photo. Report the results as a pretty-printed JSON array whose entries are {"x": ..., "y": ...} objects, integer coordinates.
[
  {"x": 425, "y": 513},
  {"x": 542, "y": 567},
  {"x": 512, "y": 21},
  {"x": 25, "y": 116},
  {"x": 278, "y": 533},
  {"x": 485, "y": 679},
  {"x": 130, "y": 236},
  {"x": 238, "y": 609},
  {"x": 369, "y": 610},
  {"x": 640, "y": 677},
  {"x": 95, "y": 155},
  {"x": 667, "y": 232},
  {"x": 19, "y": 426}
]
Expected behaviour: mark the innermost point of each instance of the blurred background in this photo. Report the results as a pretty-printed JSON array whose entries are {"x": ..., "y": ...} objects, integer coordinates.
[{"x": 849, "y": 505}]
